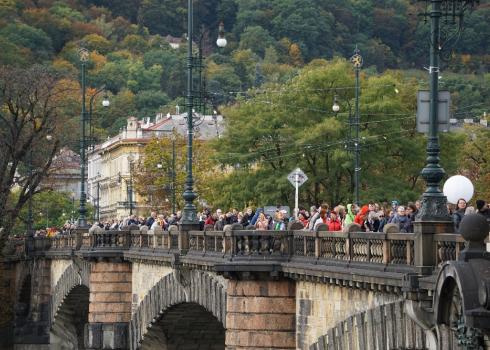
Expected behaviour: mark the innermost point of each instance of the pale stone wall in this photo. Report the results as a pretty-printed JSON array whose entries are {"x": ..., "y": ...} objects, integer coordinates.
[
  {"x": 145, "y": 276},
  {"x": 58, "y": 266},
  {"x": 320, "y": 307}
]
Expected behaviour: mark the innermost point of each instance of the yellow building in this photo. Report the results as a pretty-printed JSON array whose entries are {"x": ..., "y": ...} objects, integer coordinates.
[
  {"x": 110, "y": 173},
  {"x": 109, "y": 183}
]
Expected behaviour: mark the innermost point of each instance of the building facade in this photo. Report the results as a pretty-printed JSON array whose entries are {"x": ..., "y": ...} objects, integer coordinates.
[
  {"x": 110, "y": 183},
  {"x": 64, "y": 173}
]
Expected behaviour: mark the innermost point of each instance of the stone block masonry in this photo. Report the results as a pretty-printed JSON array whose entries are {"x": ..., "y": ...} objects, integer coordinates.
[
  {"x": 110, "y": 305},
  {"x": 260, "y": 315},
  {"x": 7, "y": 296},
  {"x": 321, "y": 307},
  {"x": 110, "y": 292}
]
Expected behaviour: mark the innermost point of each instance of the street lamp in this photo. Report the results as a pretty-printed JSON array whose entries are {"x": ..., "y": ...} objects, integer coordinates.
[
  {"x": 335, "y": 106},
  {"x": 82, "y": 220},
  {"x": 172, "y": 174},
  {"x": 357, "y": 61},
  {"x": 189, "y": 215},
  {"x": 130, "y": 184},
  {"x": 433, "y": 201},
  {"x": 105, "y": 103},
  {"x": 221, "y": 42},
  {"x": 30, "y": 220}
]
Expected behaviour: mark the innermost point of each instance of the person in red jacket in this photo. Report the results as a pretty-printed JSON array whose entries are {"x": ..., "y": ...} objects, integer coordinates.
[
  {"x": 362, "y": 216},
  {"x": 334, "y": 223}
]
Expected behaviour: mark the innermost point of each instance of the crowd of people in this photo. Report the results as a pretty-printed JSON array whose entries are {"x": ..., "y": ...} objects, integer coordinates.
[{"x": 371, "y": 217}]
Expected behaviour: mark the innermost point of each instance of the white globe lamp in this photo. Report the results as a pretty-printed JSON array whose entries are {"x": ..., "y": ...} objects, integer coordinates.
[{"x": 457, "y": 187}]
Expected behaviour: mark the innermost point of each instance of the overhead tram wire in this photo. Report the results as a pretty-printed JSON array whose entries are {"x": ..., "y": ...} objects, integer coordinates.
[
  {"x": 282, "y": 91},
  {"x": 305, "y": 148}
]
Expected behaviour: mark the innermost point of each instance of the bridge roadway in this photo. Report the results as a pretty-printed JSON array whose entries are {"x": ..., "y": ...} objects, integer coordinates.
[{"x": 246, "y": 289}]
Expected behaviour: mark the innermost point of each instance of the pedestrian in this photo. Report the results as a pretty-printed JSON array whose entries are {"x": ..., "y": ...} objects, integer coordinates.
[
  {"x": 402, "y": 220},
  {"x": 302, "y": 218},
  {"x": 334, "y": 223},
  {"x": 314, "y": 214},
  {"x": 350, "y": 216},
  {"x": 382, "y": 220},
  {"x": 247, "y": 217},
  {"x": 278, "y": 222},
  {"x": 459, "y": 213},
  {"x": 482, "y": 208},
  {"x": 322, "y": 219},
  {"x": 151, "y": 219},
  {"x": 262, "y": 223}
]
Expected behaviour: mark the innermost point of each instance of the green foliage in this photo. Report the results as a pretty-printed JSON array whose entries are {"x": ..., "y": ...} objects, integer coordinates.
[
  {"x": 273, "y": 45},
  {"x": 267, "y": 136},
  {"x": 474, "y": 159},
  {"x": 162, "y": 17},
  {"x": 51, "y": 209},
  {"x": 256, "y": 39},
  {"x": 95, "y": 42},
  {"x": 155, "y": 182},
  {"x": 35, "y": 40},
  {"x": 148, "y": 102},
  {"x": 12, "y": 55},
  {"x": 62, "y": 10}
]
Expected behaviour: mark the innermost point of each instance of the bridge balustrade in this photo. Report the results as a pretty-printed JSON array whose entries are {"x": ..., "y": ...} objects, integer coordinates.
[
  {"x": 323, "y": 246},
  {"x": 447, "y": 246}
]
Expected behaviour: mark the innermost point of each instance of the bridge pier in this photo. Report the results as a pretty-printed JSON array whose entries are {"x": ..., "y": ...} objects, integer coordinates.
[
  {"x": 261, "y": 315},
  {"x": 32, "y": 311},
  {"x": 110, "y": 306}
]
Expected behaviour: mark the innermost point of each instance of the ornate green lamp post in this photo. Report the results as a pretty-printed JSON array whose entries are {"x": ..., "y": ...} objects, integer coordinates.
[
  {"x": 356, "y": 61},
  {"x": 189, "y": 215},
  {"x": 434, "y": 202},
  {"x": 82, "y": 210}
]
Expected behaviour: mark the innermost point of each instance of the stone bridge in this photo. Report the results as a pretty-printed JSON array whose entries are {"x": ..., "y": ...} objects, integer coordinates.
[{"x": 245, "y": 289}]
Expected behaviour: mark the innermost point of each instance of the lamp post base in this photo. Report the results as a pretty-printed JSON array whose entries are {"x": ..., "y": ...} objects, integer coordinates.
[
  {"x": 189, "y": 216},
  {"x": 434, "y": 208}
]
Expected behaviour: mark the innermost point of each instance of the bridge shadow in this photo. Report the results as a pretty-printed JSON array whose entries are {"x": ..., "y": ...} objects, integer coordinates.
[
  {"x": 67, "y": 330},
  {"x": 185, "y": 326}
]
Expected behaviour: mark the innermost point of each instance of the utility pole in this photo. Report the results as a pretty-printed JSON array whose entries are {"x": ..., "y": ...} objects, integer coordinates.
[{"x": 356, "y": 60}]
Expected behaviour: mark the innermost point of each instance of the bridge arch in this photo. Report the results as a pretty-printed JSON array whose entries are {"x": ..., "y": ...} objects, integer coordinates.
[
  {"x": 200, "y": 294},
  {"x": 76, "y": 274},
  {"x": 70, "y": 307},
  {"x": 387, "y": 326}
]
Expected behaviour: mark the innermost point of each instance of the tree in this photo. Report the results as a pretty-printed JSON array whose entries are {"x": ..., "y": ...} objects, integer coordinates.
[
  {"x": 50, "y": 209},
  {"x": 148, "y": 102},
  {"x": 36, "y": 40},
  {"x": 98, "y": 43},
  {"x": 30, "y": 99},
  {"x": 283, "y": 126},
  {"x": 256, "y": 39},
  {"x": 475, "y": 161},
  {"x": 162, "y": 17},
  {"x": 155, "y": 182}
]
